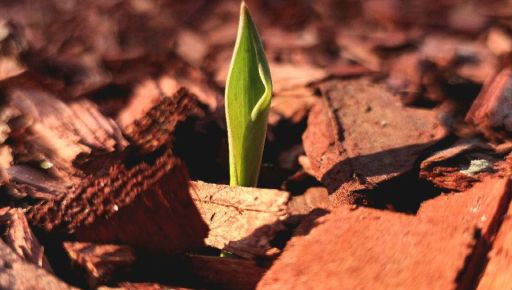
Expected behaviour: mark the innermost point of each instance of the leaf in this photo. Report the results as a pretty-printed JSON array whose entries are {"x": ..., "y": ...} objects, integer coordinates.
[{"x": 248, "y": 95}]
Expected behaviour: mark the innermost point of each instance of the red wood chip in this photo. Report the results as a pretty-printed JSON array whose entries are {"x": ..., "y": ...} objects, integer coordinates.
[{"x": 362, "y": 136}]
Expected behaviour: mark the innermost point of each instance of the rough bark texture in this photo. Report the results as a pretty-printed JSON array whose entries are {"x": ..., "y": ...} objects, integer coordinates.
[
  {"x": 102, "y": 263},
  {"x": 362, "y": 136},
  {"x": 460, "y": 166},
  {"x": 440, "y": 248},
  {"x": 498, "y": 271},
  {"x": 20, "y": 238},
  {"x": 146, "y": 205},
  {"x": 493, "y": 106},
  {"x": 242, "y": 220},
  {"x": 154, "y": 127},
  {"x": 16, "y": 274}
]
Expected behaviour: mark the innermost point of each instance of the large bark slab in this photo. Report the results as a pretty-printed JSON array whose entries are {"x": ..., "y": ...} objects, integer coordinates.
[
  {"x": 440, "y": 248},
  {"x": 146, "y": 205},
  {"x": 362, "y": 135},
  {"x": 242, "y": 220}
]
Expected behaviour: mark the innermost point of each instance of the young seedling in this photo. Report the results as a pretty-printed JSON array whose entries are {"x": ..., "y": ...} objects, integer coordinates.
[{"x": 248, "y": 94}]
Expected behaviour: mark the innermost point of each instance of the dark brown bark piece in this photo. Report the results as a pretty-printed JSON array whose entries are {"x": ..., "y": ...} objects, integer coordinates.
[
  {"x": 242, "y": 220},
  {"x": 493, "y": 106},
  {"x": 16, "y": 274},
  {"x": 364, "y": 248},
  {"x": 498, "y": 271},
  {"x": 224, "y": 273},
  {"x": 362, "y": 136},
  {"x": 146, "y": 205},
  {"x": 458, "y": 167},
  {"x": 20, "y": 238},
  {"x": 102, "y": 263},
  {"x": 150, "y": 121}
]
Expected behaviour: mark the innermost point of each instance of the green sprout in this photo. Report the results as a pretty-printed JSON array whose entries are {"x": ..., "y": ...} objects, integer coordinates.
[{"x": 248, "y": 94}]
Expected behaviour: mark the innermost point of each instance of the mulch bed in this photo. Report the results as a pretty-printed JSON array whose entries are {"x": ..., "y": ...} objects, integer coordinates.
[{"x": 387, "y": 163}]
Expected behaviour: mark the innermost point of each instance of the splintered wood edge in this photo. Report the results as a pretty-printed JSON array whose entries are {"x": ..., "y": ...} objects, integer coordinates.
[
  {"x": 242, "y": 220},
  {"x": 100, "y": 261},
  {"x": 155, "y": 128},
  {"x": 20, "y": 238},
  {"x": 18, "y": 274}
]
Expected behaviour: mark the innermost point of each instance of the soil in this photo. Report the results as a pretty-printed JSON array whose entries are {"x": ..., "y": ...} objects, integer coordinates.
[{"x": 387, "y": 163}]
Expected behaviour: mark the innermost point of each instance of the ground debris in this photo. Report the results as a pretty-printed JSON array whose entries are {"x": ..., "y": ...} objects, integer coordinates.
[
  {"x": 390, "y": 249},
  {"x": 143, "y": 286},
  {"x": 242, "y": 220},
  {"x": 498, "y": 273},
  {"x": 492, "y": 108},
  {"x": 224, "y": 273},
  {"x": 15, "y": 272},
  {"x": 146, "y": 205},
  {"x": 20, "y": 238},
  {"x": 312, "y": 198},
  {"x": 361, "y": 135},
  {"x": 150, "y": 120},
  {"x": 59, "y": 131},
  {"x": 458, "y": 167},
  {"x": 102, "y": 263}
]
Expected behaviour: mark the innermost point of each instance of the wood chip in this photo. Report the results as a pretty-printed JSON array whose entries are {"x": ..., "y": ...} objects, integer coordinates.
[
  {"x": 146, "y": 205},
  {"x": 145, "y": 286},
  {"x": 312, "y": 198},
  {"x": 291, "y": 105},
  {"x": 242, "y": 220},
  {"x": 17, "y": 274},
  {"x": 102, "y": 263},
  {"x": 150, "y": 120},
  {"x": 458, "y": 167},
  {"x": 362, "y": 135},
  {"x": 498, "y": 272},
  {"x": 59, "y": 131},
  {"x": 20, "y": 238},
  {"x": 493, "y": 106},
  {"x": 440, "y": 248},
  {"x": 224, "y": 273}
]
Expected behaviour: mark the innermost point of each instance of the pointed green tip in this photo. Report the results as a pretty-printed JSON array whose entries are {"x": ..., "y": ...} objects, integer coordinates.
[{"x": 244, "y": 10}]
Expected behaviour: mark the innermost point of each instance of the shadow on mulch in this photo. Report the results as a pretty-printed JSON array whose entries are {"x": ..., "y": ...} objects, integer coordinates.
[{"x": 404, "y": 193}]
